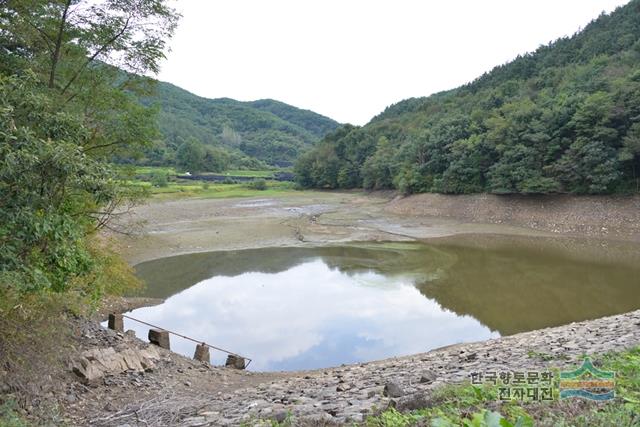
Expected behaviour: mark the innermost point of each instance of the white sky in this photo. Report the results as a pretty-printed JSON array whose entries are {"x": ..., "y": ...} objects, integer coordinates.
[{"x": 350, "y": 59}]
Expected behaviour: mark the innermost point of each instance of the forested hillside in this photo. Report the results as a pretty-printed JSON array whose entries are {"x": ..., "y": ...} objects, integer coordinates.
[
  {"x": 565, "y": 118},
  {"x": 238, "y": 132}
]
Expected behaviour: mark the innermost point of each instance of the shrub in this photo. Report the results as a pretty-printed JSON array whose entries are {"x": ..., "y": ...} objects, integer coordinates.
[
  {"x": 229, "y": 180},
  {"x": 159, "y": 180},
  {"x": 258, "y": 184}
]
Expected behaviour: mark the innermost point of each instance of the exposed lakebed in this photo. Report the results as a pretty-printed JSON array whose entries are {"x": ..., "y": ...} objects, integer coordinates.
[{"x": 301, "y": 308}]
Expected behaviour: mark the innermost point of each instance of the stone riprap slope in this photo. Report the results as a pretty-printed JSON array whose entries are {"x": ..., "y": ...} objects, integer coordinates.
[{"x": 350, "y": 393}]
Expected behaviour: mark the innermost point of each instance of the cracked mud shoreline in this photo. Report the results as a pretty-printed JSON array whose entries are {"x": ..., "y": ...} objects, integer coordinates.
[
  {"x": 161, "y": 229},
  {"x": 202, "y": 396}
]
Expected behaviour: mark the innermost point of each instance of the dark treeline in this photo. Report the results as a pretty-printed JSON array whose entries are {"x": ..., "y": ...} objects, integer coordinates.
[{"x": 565, "y": 118}]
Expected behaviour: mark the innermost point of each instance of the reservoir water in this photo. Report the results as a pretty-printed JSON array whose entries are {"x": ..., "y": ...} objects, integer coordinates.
[{"x": 298, "y": 308}]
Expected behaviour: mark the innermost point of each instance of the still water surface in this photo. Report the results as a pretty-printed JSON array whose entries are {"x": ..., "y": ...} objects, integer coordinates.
[{"x": 303, "y": 308}]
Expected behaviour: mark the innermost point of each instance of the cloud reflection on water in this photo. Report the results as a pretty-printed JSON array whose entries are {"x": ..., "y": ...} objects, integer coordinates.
[{"x": 309, "y": 316}]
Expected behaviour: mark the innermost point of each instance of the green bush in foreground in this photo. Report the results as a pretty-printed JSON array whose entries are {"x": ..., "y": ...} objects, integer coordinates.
[
  {"x": 50, "y": 190},
  {"x": 64, "y": 113}
]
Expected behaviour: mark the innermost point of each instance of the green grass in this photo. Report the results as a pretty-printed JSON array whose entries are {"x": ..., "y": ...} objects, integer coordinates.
[
  {"x": 142, "y": 177},
  {"x": 146, "y": 170},
  {"x": 151, "y": 170},
  {"x": 457, "y": 405},
  {"x": 624, "y": 410},
  {"x": 176, "y": 190},
  {"x": 9, "y": 415}
]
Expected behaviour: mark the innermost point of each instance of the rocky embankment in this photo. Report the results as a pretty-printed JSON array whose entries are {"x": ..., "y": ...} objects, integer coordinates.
[
  {"x": 174, "y": 390},
  {"x": 596, "y": 216},
  {"x": 116, "y": 379}
]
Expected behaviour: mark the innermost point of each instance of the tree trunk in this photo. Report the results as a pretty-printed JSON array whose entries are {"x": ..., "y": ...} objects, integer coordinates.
[{"x": 55, "y": 56}]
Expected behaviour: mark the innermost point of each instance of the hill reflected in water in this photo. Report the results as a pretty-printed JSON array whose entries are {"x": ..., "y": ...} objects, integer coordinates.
[{"x": 302, "y": 308}]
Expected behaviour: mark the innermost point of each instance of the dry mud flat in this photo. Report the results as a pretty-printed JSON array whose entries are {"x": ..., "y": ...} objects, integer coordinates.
[{"x": 315, "y": 218}]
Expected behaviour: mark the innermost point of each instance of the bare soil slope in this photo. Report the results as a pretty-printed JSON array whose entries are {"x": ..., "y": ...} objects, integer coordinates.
[{"x": 606, "y": 216}]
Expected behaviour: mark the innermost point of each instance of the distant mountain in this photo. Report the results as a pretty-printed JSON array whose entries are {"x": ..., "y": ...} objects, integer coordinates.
[
  {"x": 565, "y": 118},
  {"x": 268, "y": 130},
  {"x": 312, "y": 122}
]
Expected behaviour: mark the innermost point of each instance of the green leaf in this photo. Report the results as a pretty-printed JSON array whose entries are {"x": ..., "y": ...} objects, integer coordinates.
[
  {"x": 524, "y": 421},
  {"x": 492, "y": 419},
  {"x": 441, "y": 422}
]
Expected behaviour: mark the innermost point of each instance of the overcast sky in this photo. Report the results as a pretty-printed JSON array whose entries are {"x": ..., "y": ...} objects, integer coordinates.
[{"x": 349, "y": 59}]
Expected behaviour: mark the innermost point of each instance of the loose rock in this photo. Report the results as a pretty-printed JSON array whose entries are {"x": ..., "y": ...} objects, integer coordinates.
[{"x": 392, "y": 389}]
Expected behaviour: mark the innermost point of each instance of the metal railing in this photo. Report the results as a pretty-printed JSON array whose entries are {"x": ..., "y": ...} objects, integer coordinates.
[{"x": 249, "y": 360}]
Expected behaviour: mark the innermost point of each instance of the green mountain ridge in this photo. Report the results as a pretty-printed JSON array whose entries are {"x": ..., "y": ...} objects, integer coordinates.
[
  {"x": 267, "y": 130},
  {"x": 565, "y": 118}
]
